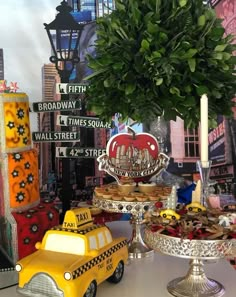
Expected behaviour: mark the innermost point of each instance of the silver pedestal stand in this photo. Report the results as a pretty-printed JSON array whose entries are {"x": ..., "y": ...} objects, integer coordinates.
[
  {"x": 195, "y": 283},
  {"x": 137, "y": 247}
]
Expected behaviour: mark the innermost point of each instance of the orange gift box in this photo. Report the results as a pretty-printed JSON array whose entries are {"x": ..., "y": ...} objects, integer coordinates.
[
  {"x": 14, "y": 122},
  {"x": 19, "y": 173}
]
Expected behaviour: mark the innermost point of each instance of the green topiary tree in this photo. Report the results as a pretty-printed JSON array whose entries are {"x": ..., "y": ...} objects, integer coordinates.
[{"x": 159, "y": 56}]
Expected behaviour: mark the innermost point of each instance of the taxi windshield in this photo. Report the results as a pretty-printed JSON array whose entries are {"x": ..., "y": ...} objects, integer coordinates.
[{"x": 62, "y": 243}]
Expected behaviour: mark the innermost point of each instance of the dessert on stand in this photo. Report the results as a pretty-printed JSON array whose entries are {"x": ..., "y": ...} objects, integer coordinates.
[
  {"x": 199, "y": 233},
  {"x": 132, "y": 159},
  {"x": 135, "y": 203}
]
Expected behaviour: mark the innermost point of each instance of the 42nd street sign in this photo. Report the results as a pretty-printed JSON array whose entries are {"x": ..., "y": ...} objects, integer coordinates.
[{"x": 78, "y": 152}]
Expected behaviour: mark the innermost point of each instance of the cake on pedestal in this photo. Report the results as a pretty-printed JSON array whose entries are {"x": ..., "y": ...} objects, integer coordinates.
[{"x": 23, "y": 217}]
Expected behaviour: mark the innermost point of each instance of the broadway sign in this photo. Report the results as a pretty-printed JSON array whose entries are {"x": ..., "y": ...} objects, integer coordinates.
[
  {"x": 78, "y": 152},
  {"x": 49, "y": 106},
  {"x": 55, "y": 136},
  {"x": 87, "y": 122}
]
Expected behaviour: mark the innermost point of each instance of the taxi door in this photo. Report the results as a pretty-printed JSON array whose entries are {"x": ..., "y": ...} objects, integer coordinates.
[{"x": 96, "y": 242}]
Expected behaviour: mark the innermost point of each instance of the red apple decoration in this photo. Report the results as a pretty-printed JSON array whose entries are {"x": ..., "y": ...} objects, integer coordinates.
[
  {"x": 134, "y": 156},
  {"x": 132, "y": 144}
]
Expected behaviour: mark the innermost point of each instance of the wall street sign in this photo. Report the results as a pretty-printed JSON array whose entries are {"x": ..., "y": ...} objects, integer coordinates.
[{"x": 55, "y": 136}]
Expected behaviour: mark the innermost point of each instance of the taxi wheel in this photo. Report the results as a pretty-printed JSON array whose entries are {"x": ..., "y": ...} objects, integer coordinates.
[
  {"x": 117, "y": 274},
  {"x": 92, "y": 290}
]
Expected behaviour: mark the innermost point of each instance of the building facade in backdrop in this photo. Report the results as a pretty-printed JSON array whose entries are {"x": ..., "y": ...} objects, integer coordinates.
[
  {"x": 222, "y": 140},
  {"x": 96, "y": 7},
  {"x": 183, "y": 145},
  {"x": 47, "y": 121}
]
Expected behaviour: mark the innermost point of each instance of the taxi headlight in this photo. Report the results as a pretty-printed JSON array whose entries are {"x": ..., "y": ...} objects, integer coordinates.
[
  {"x": 67, "y": 275},
  {"x": 18, "y": 267}
]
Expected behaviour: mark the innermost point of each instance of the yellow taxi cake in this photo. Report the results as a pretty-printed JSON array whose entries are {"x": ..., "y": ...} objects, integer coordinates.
[{"x": 73, "y": 259}]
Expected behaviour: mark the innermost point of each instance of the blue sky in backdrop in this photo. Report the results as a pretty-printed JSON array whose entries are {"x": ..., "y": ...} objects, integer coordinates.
[{"x": 25, "y": 43}]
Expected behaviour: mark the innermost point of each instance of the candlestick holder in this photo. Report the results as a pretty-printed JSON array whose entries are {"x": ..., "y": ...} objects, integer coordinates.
[{"x": 204, "y": 170}]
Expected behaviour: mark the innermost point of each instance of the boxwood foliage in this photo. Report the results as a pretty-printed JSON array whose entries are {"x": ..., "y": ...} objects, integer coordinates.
[{"x": 159, "y": 56}]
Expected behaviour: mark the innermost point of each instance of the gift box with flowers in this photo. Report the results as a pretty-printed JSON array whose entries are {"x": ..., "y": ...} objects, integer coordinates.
[{"x": 23, "y": 216}]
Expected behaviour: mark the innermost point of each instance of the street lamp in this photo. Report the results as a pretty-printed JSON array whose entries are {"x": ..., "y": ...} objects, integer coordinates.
[{"x": 64, "y": 36}]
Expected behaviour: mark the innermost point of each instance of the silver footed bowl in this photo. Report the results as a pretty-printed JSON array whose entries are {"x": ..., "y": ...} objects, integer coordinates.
[{"x": 190, "y": 249}]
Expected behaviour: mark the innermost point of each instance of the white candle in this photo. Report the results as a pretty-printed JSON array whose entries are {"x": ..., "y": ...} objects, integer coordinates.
[{"x": 204, "y": 128}]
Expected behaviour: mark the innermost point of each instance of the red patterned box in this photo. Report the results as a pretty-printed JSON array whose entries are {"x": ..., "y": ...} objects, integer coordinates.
[{"x": 19, "y": 231}]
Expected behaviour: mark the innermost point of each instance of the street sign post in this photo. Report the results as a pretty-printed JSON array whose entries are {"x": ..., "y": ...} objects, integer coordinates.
[
  {"x": 50, "y": 106},
  {"x": 79, "y": 152},
  {"x": 70, "y": 88},
  {"x": 55, "y": 136},
  {"x": 87, "y": 122}
]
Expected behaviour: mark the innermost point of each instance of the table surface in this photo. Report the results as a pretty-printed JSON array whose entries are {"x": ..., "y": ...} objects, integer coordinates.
[{"x": 149, "y": 276}]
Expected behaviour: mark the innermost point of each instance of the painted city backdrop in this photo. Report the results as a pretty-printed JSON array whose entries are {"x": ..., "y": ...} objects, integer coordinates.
[{"x": 24, "y": 58}]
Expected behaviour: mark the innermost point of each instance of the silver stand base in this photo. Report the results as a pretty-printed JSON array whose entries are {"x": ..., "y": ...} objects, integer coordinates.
[
  {"x": 8, "y": 277},
  {"x": 195, "y": 284},
  {"x": 137, "y": 248}
]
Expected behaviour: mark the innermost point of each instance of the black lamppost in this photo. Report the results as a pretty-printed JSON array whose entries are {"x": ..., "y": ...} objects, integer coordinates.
[{"x": 64, "y": 35}]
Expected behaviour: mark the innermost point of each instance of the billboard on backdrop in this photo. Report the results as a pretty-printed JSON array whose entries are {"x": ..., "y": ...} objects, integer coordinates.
[{"x": 216, "y": 140}]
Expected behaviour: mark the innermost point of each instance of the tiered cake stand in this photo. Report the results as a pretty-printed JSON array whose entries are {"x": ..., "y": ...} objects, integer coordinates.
[
  {"x": 195, "y": 283},
  {"x": 137, "y": 247}
]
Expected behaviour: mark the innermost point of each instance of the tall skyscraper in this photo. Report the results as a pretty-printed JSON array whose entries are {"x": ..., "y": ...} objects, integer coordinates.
[
  {"x": 1, "y": 64},
  {"x": 47, "y": 149},
  {"x": 49, "y": 74}
]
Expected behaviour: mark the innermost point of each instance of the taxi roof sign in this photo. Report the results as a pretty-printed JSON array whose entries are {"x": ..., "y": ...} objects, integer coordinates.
[{"x": 77, "y": 218}]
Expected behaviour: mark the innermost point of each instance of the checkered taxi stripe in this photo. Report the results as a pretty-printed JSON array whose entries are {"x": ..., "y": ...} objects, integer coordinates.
[
  {"x": 78, "y": 231},
  {"x": 95, "y": 261}
]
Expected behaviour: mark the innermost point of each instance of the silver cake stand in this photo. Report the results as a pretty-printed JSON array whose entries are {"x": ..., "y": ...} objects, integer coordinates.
[
  {"x": 137, "y": 247},
  {"x": 195, "y": 283}
]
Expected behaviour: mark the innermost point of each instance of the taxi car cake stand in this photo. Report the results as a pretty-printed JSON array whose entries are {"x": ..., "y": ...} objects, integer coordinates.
[{"x": 73, "y": 259}]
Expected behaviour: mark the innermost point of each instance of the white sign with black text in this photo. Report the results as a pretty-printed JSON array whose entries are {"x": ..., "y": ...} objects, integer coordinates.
[
  {"x": 87, "y": 122},
  {"x": 79, "y": 152},
  {"x": 50, "y": 106},
  {"x": 55, "y": 136},
  {"x": 70, "y": 88}
]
